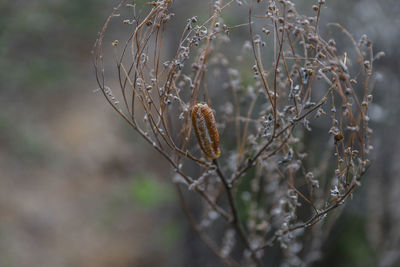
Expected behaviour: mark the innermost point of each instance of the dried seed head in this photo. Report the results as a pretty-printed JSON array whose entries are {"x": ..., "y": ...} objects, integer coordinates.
[
  {"x": 205, "y": 128},
  {"x": 115, "y": 43},
  {"x": 266, "y": 31},
  {"x": 338, "y": 137}
]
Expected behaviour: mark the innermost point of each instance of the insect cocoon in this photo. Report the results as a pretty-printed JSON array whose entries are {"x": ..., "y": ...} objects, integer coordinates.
[{"x": 206, "y": 131}]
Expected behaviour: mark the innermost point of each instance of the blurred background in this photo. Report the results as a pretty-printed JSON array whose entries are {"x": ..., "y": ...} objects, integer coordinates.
[{"x": 79, "y": 188}]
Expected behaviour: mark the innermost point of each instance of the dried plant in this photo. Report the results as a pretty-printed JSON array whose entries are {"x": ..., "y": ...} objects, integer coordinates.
[{"x": 284, "y": 175}]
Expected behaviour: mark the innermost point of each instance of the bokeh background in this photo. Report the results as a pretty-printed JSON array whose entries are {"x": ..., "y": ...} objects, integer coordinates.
[{"x": 79, "y": 188}]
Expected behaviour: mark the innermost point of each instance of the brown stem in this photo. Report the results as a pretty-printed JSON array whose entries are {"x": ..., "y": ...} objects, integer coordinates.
[{"x": 235, "y": 221}]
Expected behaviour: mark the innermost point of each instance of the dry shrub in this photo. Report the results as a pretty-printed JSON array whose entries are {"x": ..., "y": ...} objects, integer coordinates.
[{"x": 291, "y": 110}]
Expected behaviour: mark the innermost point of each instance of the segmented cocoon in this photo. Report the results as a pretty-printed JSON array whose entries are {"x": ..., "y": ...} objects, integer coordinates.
[{"x": 206, "y": 131}]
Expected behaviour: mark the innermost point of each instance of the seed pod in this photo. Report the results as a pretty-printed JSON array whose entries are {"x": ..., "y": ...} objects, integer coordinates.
[{"x": 206, "y": 130}]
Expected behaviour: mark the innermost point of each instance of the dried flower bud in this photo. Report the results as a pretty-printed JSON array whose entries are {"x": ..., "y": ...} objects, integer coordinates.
[
  {"x": 338, "y": 137},
  {"x": 115, "y": 43},
  {"x": 206, "y": 130}
]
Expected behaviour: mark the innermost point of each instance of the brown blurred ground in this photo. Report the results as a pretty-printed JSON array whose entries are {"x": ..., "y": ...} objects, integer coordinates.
[{"x": 68, "y": 165}]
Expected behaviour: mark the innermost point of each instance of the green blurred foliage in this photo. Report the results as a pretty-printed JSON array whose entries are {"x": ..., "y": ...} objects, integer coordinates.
[
  {"x": 243, "y": 206},
  {"x": 148, "y": 193},
  {"x": 170, "y": 233},
  {"x": 143, "y": 193},
  {"x": 54, "y": 31},
  {"x": 349, "y": 246}
]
